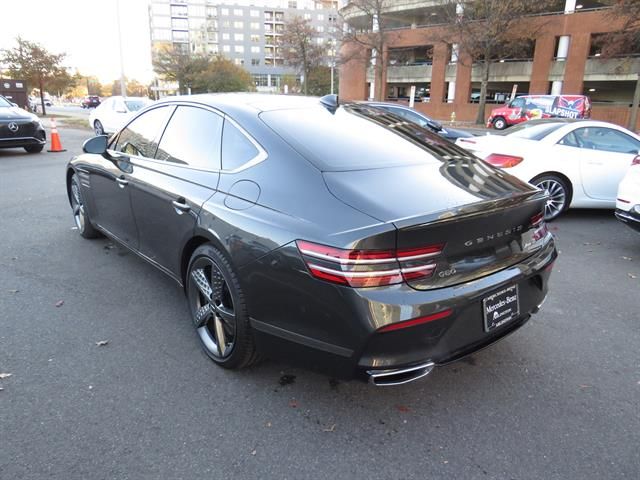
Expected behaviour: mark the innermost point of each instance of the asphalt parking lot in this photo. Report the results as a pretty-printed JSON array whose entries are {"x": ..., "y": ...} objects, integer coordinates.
[{"x": 559, "y": 399}]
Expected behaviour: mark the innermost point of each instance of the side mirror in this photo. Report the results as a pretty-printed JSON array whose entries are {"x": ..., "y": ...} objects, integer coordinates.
[
  {"x": 96, "y": 145},
  {"x": 434, "y": 125}
]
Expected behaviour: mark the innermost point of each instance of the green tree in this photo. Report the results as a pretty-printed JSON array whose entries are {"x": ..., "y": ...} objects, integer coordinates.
[
  {"x": 35, "y": 65},
  {"x": 222, "y": 75},
  {"x": 299, "y": 48},
  {"x": 175, "y": 65},
  {"x": 319, "y": 82}
]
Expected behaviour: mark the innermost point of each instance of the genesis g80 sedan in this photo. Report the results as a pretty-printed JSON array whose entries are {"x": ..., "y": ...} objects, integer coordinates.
[{"x": 334, "y": 235}]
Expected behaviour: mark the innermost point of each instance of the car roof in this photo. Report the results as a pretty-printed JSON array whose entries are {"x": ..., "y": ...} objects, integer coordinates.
[{"x": 256, "y": 102}]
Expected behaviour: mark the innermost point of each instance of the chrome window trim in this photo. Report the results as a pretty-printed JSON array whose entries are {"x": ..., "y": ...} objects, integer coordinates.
[{"x": 259, "y": 158}]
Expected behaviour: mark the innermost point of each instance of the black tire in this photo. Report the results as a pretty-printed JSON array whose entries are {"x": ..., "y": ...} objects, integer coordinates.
[
  {"x": 218, "y": 309},
  {"x": 80, "y": 214},
  {"x": 559, "y": 195},
  {"x": 499, "y": 123},
  {"x": 98, "y": 128},
  {"x": 34, "y": 148}
]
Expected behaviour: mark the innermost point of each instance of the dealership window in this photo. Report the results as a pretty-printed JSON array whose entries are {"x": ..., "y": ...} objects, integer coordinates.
[
  {"x": 192, "y": 138},
  {"x": 196, "y": 10},
  {"x": 180, "y": 24},
  {"x": 160, "y": 9},
  {"x": 261, "y": 80}
]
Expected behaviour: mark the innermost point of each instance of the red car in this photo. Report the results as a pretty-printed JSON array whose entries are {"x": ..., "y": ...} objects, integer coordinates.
[
  {"x": 91, "y": 101},
  {"x": 528, "y": 107}
]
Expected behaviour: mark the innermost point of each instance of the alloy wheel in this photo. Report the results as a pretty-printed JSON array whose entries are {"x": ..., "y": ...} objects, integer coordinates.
[
  {"x": 77, "y": 205},
  {"x": 98, "y": 128},
  {"x": 557, "y": 197},
  {"x": 212, "y": 308}
]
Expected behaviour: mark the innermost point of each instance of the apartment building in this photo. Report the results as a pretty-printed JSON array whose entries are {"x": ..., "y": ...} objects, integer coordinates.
[
  {"x": 564, "y": 58},
  {"x": 245, "y": 31}
]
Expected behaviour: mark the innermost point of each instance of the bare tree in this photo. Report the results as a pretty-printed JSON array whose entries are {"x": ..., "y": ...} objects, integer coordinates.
[
  {"x": 368, "y": 31},
  {"x": 625, "y": 41},
  {"x": 486, "y": 31},
  {"x": 300, "y": 48}
]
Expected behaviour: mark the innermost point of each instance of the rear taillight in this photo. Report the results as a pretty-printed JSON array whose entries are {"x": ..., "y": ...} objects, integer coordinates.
[
  {"x": 503, "y": 161},
  {"x": 636, "y": 160},
  {"x": 368, "y": 268},
  {"x": 539, "y": 226}
]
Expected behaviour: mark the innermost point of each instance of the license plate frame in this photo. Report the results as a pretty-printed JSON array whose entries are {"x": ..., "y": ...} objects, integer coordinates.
[{"x": 495, "y": 314}]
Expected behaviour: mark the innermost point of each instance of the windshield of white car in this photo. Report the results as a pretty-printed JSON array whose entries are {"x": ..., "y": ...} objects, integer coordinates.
[
  {"x": 4, "y": 103},
  {"x": 531, "y": 131},
  {"x": 135, "y": 105}
]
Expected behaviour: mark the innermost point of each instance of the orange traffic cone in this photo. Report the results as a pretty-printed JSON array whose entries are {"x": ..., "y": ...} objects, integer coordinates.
[{"x": 56, "y": 146}]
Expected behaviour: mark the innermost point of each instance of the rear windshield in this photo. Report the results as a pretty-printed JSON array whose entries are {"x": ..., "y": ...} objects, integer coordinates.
[
  {"x": 354, "y": 137},
  {"x": 135, "y": 105},
  {"x": 532, "y": 131}
]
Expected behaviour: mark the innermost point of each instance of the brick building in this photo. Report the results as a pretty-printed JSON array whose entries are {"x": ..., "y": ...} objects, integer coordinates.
[{"x": 564, "y": 58}]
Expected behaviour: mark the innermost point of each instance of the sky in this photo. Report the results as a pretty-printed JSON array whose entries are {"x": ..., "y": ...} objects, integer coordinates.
[{"x": 86, "y": 30}]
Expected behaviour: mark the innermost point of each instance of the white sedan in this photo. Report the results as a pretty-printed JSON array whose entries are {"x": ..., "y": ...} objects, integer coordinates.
[
  {"x": 578, "y": 162},
  {"x": 628, "y": 201},
  {"x": 114, "y": 112}
]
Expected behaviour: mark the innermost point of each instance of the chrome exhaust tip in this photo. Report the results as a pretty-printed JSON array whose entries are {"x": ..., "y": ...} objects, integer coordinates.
[{"x": 399, "y": 376}]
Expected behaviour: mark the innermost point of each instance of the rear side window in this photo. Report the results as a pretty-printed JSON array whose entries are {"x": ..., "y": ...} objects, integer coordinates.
[
  {"x": 140, "y": 137},
  {"x": 237, "y": 149},
  {"x": 192, "y": 138},
  {"x": 606, "y": 140}
]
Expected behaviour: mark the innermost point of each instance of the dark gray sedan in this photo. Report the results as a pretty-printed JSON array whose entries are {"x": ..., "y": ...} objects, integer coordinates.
[{"x": 331, "y": 235}]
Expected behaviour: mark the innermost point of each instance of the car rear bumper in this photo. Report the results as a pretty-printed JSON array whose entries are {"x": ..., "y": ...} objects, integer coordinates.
[
  {"x": 339, "y": 334},
  {"x": 630, "y": 218}
]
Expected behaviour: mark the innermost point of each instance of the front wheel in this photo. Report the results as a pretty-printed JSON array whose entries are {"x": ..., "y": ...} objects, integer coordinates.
[
  {"x": 559, "y": 195},
  {"x": 218, "y": 309},
  {"x": 34, "y": 148},
  {"x": 98, "y": 128},
  {"x": 80, "y": 215},
  {"x": 499, "y": 123}
]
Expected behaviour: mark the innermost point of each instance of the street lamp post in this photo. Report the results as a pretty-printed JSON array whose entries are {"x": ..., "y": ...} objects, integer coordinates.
[{"x": 123, "y": 88}]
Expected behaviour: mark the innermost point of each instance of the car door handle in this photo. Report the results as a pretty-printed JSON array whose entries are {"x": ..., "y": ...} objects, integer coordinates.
[
  {"x": 180, "y": 206},
  {"x": 122, "y": 182}
]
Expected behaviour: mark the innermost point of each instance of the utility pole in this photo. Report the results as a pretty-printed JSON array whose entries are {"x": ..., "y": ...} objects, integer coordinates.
[{"x": 123, "y": 88}]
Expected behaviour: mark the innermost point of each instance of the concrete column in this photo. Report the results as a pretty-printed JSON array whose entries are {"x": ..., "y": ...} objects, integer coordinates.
[
  {"x": 569, "y": 6},
  {"x": 556, "y": 87},
  {"x": 451, "y": 92},
  {"x": 563, "y": 47}
]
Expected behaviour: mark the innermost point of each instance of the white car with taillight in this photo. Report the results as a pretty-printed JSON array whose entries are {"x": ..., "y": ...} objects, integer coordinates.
[
  {"x": 580, "y": 163},
  {"x": 114, "y": 113},
  {"x": 628, "y": 200}
]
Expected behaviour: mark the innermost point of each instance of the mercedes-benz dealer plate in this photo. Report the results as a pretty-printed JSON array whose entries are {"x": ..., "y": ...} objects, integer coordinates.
[{"x": 500, "y": 307}]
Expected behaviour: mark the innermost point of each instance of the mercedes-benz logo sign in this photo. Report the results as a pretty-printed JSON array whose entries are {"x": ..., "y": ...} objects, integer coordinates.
[{"x": 13, "y": 126}]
